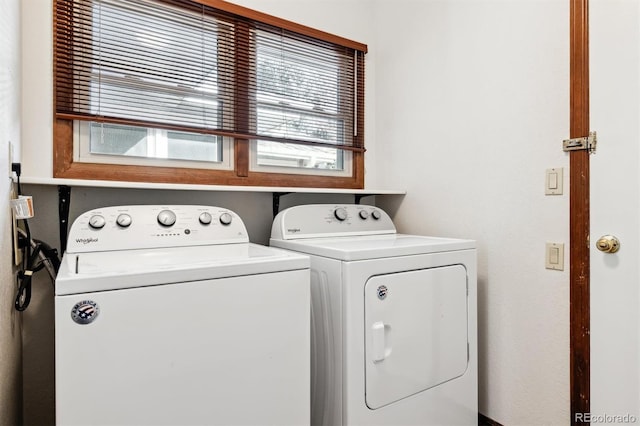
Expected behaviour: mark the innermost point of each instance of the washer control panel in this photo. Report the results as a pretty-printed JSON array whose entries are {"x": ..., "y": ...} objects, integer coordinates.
[
  {"x": 136, "y": 227},
  {"x": 326, "y": 220}
]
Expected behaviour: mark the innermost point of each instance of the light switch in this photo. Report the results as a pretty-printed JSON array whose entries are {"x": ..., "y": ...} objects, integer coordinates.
[
  {"x": 553, "y": 181},
  {"x": 554, "y": 256}
]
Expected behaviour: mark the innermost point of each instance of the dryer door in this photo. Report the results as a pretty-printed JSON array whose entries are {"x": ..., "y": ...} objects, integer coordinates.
[{"x": 416, "y": 332}]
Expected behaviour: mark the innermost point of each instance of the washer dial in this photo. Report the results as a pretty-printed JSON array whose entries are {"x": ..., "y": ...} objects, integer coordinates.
[
  {"x": 97, "y": 221},
  {"x": 166, "y": 218},
  {"x": 225, "y": 218},
  {"x": 123, "y": 220},
  {"x": 205, "y": 218},
  {"x": 364, "y": 215},
  {"x": 340, "y": 214},
  {"x": 376, "y": 214}
]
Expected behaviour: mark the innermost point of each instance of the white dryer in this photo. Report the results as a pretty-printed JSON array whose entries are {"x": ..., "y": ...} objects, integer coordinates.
[
  {"x": 393, "y": 339},
  {"x": 167, "y": 315}
]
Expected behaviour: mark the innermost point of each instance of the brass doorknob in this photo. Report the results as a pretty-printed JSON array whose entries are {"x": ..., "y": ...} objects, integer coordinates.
[{"x": 608, "y": 244}]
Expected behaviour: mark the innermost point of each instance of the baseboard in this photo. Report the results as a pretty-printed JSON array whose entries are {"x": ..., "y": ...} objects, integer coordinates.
[{"x": 486, "y": 421}]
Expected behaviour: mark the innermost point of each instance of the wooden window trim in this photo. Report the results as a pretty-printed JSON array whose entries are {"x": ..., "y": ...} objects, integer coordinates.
[
  {"x": 283, "y": 23},
  {"x": 64, "y": 165}
]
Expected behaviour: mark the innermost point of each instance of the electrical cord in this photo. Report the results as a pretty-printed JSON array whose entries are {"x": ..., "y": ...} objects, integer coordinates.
[
  {"x": 47, "y": 256},
  {"x": 23, "y": 277}
]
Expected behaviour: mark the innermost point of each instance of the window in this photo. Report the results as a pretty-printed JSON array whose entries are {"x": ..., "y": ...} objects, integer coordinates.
[
  {"x": 121, "y": 144},
  {"x": 179, "y": 91}
]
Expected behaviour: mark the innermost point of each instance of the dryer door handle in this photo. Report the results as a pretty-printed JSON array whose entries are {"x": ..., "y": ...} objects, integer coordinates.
[{"x": 377, "y": 341}]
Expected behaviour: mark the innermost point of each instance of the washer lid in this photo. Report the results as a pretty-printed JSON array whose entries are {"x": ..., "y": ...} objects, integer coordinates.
[
  {"x": 373, "y": 246},
  {"x": 112, "y": 270}
]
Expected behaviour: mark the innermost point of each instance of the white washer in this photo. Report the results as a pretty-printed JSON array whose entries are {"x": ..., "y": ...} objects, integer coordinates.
[
  {"x": 167, "y": 315},
  {"x": 393, "y": 337}
]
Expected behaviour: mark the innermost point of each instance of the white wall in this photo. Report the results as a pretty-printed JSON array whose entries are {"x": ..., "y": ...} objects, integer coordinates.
[
  {"x": 37, "y": 88},
  {"x": 472, "y": 105},
  {"x": 10, "y": 348}
]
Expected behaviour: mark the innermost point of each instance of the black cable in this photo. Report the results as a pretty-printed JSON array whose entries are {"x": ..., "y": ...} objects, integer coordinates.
[
  {"x": 42, "y": 251},
  {"x": 23, "y": 298},
  {"x": 42, "y": 256},
  {"x": 24, "y": 221},
  {"x": 51, "y": 255}
]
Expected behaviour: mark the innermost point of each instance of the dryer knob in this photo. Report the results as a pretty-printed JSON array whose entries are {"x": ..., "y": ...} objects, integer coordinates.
[
  {"x": 340, "y": 213},
  {"x": 166, "y": 218},
  {"x": 96, "y": 221},
  {"x": 225, "y": 218},
  {"x": 376, "y": 214},
  {"x": 363, "y": 214},
  {"x": 123, "y": 220},
  {"x": 205, "y": 218}
]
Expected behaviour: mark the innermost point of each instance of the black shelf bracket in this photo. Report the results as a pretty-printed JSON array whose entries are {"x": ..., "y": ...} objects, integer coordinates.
[
  {"x": 359, "y": 197},
  {"x": 64, "y": 201},
  {"x": 276, "y": 201}
]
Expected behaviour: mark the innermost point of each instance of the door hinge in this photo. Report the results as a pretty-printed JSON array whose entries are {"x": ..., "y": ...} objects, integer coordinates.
[{"x": 580, "y": 144}]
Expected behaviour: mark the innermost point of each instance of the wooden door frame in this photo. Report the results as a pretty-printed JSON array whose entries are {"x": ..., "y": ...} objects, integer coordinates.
[{"x": 579, "y": 223}]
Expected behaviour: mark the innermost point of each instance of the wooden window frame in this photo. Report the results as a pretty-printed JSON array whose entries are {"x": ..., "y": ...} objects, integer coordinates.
[{"x": 64, "y": 165}]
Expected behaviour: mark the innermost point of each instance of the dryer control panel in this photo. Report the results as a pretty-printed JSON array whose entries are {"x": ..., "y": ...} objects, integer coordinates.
[
  {"x": 330, "y": 220},
  {"x": 152, "y": 226}
]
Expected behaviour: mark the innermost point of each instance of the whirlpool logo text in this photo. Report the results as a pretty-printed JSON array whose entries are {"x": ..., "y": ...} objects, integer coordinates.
[{"x": 86, "y": 240}]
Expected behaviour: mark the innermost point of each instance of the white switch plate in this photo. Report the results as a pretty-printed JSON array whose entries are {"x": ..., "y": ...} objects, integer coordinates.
[
  {"x": 554, "y": 256},
  {"x": 553, "y": 181}
]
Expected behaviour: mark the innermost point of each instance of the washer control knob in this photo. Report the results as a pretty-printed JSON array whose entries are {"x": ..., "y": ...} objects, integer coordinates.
[
  {"x": 97, "y": 222},
  {"x": 225, "y": 218},
  {"x": 340, "y": 213},
  {"x": 376, "y": 214},
  {"x": 205, "y": 218},
  {"x": 123, "y": 220},
  {"x": 364, "y": 215},
  {"x": 166, "y": 218}
]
